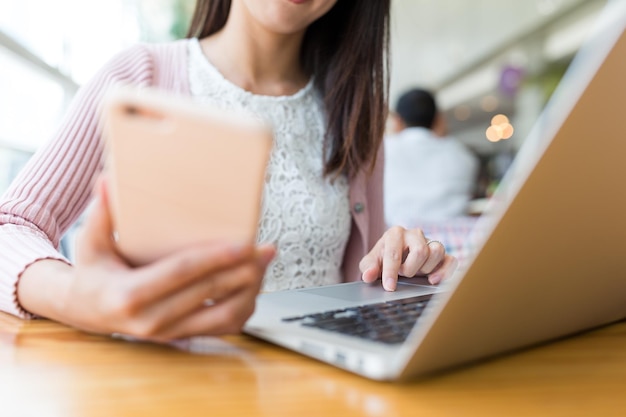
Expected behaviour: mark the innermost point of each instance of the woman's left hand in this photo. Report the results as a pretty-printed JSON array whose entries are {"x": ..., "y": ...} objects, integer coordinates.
[{"x": 407, "y": 253}]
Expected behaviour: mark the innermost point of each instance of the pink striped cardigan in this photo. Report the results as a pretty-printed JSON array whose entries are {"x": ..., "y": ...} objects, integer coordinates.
[{"x": 55, "y": 186}]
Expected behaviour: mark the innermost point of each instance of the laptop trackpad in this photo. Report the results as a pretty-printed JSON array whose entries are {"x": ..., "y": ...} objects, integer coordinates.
[{"x": 361, "y": 291}]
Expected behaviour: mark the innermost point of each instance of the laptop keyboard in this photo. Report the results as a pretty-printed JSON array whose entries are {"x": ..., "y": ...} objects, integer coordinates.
[{"x": 387, "y": 322}]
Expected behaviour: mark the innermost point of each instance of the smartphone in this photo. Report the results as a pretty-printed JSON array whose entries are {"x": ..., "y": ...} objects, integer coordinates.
[{"x": 181, "y": 172}]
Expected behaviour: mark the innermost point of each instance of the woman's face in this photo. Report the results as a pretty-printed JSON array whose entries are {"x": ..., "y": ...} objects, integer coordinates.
[{"x": 286, "y": 16}]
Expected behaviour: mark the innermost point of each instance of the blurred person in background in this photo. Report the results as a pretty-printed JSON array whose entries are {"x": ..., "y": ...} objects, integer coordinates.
[{"x": 429, "y": 176}]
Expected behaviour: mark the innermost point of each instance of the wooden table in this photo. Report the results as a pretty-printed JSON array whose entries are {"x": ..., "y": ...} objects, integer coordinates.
[{"x": 48, "y": 370}]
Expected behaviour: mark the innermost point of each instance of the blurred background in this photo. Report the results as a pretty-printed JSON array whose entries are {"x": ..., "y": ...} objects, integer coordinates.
[{"x": 482, "y": 58}]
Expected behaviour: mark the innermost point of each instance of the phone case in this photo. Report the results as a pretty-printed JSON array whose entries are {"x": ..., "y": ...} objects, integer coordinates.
[{"x": 181, "y": 172}]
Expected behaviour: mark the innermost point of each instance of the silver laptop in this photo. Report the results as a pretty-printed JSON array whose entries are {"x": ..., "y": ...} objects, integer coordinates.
[{"x": 548, "y": 261}]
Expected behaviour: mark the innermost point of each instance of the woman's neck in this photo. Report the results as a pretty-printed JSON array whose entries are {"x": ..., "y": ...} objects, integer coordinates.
[{"x": 256, "y": 59}]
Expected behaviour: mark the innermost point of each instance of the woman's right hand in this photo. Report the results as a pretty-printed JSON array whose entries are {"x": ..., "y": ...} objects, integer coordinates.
[{"x": 208, "y": 289}]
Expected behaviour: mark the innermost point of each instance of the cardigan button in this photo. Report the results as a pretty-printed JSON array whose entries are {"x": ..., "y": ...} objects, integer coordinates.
[{"x": 359, "y": 207}]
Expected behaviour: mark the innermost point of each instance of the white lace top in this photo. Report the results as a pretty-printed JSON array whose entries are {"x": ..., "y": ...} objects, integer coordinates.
[{"x": 305, "y": 215}]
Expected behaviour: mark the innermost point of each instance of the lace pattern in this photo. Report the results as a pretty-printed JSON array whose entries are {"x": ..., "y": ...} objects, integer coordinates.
[{"x": 305, "y": 215}]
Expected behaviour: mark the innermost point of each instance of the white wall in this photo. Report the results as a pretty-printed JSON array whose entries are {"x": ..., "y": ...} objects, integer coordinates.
[{"x": 433, "y": 40}]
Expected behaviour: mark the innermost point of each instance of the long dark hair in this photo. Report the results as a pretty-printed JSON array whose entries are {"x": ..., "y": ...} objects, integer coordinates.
[{"x": 346, "y": 51}]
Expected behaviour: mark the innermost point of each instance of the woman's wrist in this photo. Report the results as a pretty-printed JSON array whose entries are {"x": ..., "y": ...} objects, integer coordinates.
[{"x": 43, "y": 287}]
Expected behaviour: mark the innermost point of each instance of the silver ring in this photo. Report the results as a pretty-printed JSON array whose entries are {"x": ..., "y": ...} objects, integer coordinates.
[{"x": 428, "y": 242}]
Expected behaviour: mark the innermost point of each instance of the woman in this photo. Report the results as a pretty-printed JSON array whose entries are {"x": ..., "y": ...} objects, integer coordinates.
[{"x": 316, "y": 70}]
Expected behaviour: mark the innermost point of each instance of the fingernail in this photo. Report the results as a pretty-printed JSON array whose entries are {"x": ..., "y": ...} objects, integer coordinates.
[
  {"x": 268, "y": 256},
  {"x": 265, "y": 255},
  {"x": 434, "y": 279},
  {"x": 240, "y": 248},
  {"x": 389, "y": 284},
  {"x": 369, "y": 275}
]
